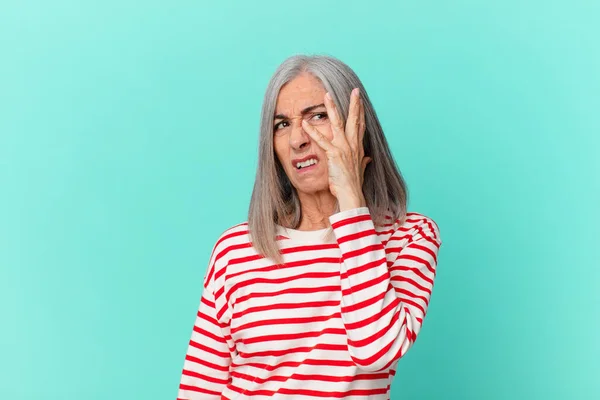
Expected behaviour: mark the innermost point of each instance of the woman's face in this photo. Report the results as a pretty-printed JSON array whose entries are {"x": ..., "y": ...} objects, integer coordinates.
[{"x": 302, "y": 98}]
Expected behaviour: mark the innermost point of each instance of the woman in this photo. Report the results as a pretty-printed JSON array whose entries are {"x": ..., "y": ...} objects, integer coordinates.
[{"x": 326, "y": 286}]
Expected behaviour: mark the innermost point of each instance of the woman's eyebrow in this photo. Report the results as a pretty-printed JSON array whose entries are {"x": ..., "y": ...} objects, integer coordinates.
[{"x": 303, "y": 112}]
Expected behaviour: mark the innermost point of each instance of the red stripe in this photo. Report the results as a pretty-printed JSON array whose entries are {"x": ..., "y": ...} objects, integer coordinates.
[
  {"x": 416, "y": 259},
  {"x": 379, "y": 354},
  {"x": 312, "y": 377},
  {"x": 205, "y": 377},
  {"x": 289, "y": 250},
  {"x": 208, "y": 334},
  {"x": 426, "y": 237},
  {"x": 357, "y": 235},
  {"x": 210, "y": 350},
  {"x": 377, "y": 335},
  {"x": 199, "y": 390},
  {"x": 295, "y": 350},
  {"x": 285, "y": 321},
  {"x": 207, "y": 318},
  {"x": 363, "y": 304},
  {"x": 411, "y": 282},
  {"x": 415, "y": 271},
  {"x": 240, "y": 246},
  {"x": 299, "y": 290},
  {"x": 367, "y": 284},
  {"x": 285, "y": 306},
  {"x": 373, "y": 318},
  {"x": 288, "y": 265},
  {"x": 274, "y": 281},
  {"x": 207, "y": 302},
  {"x": 294, "y": 364},
  {"x": 413, "y": 303},
  {"x": 207, "y": 364},
  {"x": 351, "y": 220},
  {"x": 308, "y": 392},
  {"x": 362, "y": 268},
  {"x": 424, "y": 249},
  {"x": 294, "y": 336},
  {"x": 368, "y": 249}
]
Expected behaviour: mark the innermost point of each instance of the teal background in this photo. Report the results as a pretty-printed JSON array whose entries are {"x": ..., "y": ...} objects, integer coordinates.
[{"x": 128, "y": 143}]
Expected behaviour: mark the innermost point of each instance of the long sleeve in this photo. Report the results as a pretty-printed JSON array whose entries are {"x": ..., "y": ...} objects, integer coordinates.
[
  {"x": 206, "y": 368},
  {"x": 386, "y": 286}
]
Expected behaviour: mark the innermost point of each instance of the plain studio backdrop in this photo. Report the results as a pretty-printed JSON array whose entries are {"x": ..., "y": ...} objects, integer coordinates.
[{"x": 128, "y": 143}]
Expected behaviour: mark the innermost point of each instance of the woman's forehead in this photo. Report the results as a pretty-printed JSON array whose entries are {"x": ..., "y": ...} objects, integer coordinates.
[{"x": 303, "y": 91}]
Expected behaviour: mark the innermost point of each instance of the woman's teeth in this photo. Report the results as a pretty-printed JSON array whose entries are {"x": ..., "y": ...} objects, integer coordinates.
[{"x": 306, "y": 163}]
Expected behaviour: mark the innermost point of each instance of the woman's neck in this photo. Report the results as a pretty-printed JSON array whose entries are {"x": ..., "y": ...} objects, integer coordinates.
[{"x": 316, "y": 210}]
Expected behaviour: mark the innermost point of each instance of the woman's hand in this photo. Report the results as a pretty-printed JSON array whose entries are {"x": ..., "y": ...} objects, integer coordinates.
[{"x": 346, "y": 159}]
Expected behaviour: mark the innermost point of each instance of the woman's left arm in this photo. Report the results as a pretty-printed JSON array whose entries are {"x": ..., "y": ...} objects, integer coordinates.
[{"x": 386, "y": 286}]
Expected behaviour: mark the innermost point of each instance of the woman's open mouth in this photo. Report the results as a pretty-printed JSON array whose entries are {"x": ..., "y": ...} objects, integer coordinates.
[{"x": 306, "y": 165}]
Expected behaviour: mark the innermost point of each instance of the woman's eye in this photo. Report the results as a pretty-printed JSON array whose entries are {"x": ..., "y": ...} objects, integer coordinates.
[
  {"x": 320, "y": 116},
  {"x": 279, "y": 125}
]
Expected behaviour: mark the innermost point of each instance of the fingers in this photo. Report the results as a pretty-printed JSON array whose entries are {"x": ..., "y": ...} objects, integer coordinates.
[
  {"x": 337, "y": 125},
  {"x": 353, "y": 121},
  {"x": 364, "y": 163},
  {"x": 362, "y": 124},
  {"x": 348, "y": 135},
  {"x": 317, "y": 136}
]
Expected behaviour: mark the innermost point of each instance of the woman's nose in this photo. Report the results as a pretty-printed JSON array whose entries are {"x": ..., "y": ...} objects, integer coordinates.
[{"x": 298, "y": 137}]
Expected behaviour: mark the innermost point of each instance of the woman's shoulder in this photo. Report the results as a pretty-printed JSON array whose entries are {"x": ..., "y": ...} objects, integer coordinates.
[
  {"x": 419, "y": 225},
  {"x": 410, "y": 221},
  {"x": 392, "y": 218},
  {"x": 234, "y": 235},
  {"x": 413, "y": 217},
  {"x": 232, "y": 238}
]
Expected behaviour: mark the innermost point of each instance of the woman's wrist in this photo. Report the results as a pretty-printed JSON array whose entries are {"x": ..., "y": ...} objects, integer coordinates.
[{"x": 351, "y": 202}]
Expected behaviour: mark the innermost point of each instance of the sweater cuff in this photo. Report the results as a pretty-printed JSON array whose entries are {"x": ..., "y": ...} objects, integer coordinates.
[{"x": 342, "y": 215}]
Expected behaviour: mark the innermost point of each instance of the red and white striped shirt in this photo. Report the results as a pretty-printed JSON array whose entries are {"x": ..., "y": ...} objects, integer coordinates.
[{"x": 331, "y": 322}]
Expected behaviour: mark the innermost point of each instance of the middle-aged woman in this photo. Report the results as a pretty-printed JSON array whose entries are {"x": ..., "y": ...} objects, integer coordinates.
[{"x": 325, "y": 287}]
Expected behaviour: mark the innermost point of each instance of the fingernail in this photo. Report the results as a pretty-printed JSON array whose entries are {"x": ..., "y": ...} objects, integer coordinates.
[
  {"x": 328, "y": 96},
  {"x": 355, "y": 91}
]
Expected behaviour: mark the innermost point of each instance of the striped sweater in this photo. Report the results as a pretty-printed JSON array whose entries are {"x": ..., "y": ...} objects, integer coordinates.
[{"x": 331, "y": 322}]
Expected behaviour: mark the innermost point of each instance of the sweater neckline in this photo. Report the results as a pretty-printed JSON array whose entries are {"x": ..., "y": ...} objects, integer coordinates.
[{"x": 315, "y": 236}]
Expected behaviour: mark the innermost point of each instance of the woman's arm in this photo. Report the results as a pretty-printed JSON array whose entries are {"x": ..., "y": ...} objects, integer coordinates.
[
  {"x": 206, "y": 368},
  {"x": 386, "y": 287}
]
